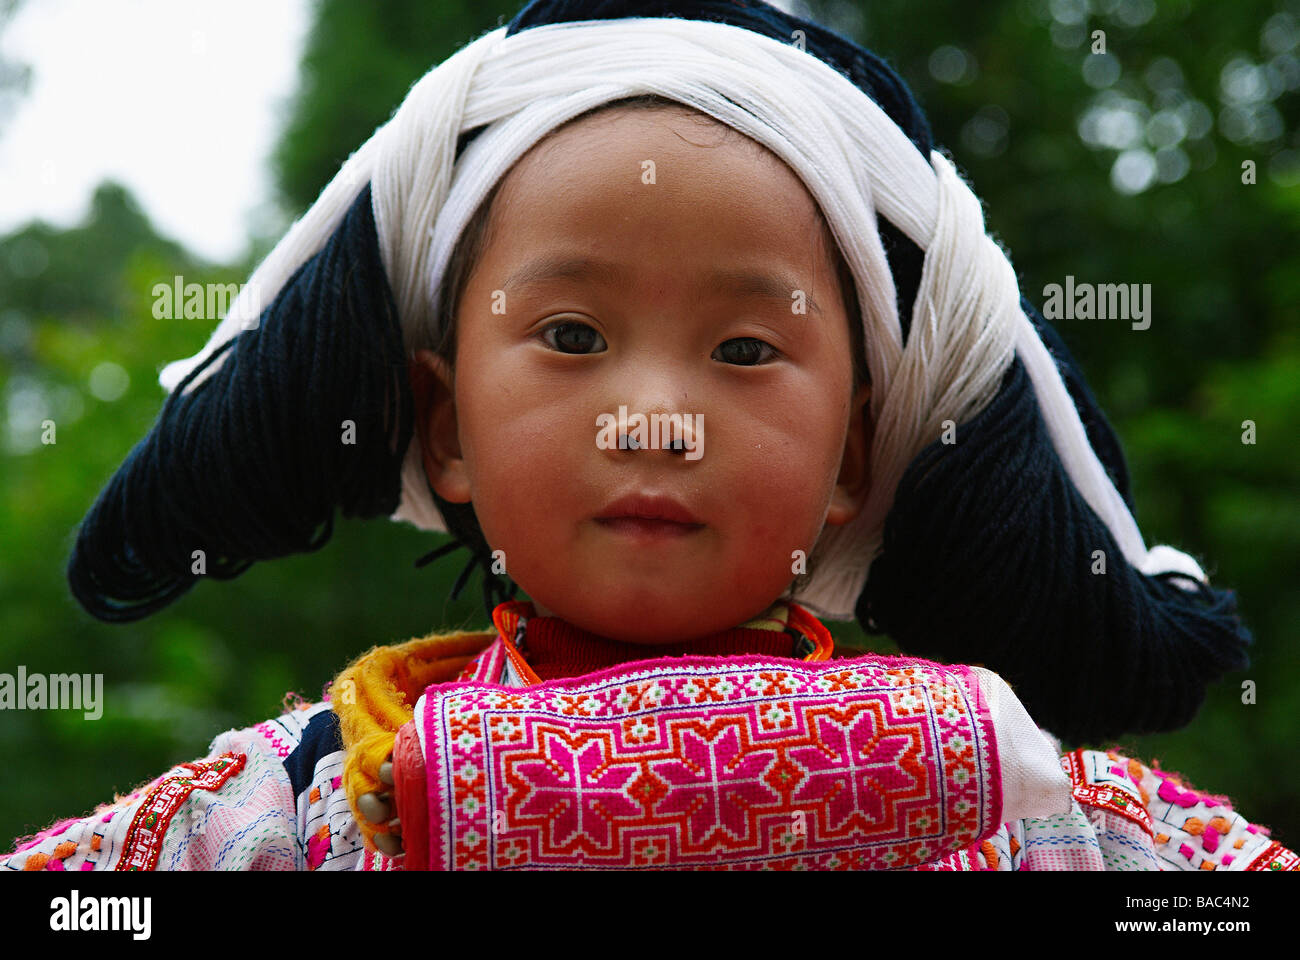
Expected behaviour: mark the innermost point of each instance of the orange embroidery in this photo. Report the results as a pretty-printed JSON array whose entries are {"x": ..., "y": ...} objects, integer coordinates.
[{"x": 990, "y": 854}]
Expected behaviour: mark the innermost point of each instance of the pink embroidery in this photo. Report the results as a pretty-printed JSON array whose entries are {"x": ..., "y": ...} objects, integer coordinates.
[
  {"x": 268, "y": 731},
  {"x": 317, "y": 847},
  {"x": 1171, "y": 794},
  {"x": 622, "y": 769},
  {"x": 53, "y": 830}
]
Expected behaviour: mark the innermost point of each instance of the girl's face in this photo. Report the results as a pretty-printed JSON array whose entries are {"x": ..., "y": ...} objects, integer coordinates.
[{"x": 642, "y": 259}]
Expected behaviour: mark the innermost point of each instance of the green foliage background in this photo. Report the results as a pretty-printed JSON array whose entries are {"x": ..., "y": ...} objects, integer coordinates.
[{"x": 1014, "y": 105}]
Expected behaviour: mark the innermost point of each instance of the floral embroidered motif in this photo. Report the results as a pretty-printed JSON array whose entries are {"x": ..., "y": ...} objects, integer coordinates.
[{"x": 621, "y": 768}]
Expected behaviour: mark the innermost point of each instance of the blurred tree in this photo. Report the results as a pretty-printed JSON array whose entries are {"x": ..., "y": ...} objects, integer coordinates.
[
  {"x": 347, "y": 91},
  {"x": 15, "y": 78},
  {"x": 78, "y": 274}
]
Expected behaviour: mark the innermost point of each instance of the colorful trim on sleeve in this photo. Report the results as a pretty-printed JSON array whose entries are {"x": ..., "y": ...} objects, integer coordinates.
[
  {"x": 93, "y": 842},
  {"x": 1147, "y": 818},
  {"x": 267, "y": 797},
  {"x": 1275, "y": 857},
  {"x": 144, "y": 837},
  {"x": 308, "y": 740},
  {"x": 327, "y": 830}
]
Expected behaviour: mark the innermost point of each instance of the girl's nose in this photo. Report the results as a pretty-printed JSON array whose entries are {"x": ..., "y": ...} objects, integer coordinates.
[
  {"x": 676, "y": 444},
  {"x": 673, "y": 432}
]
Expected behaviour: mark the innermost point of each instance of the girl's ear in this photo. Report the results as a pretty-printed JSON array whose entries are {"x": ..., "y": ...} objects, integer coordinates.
[
  {"x": 854, "y": 481},
  {"x": 437, "y": 427}
]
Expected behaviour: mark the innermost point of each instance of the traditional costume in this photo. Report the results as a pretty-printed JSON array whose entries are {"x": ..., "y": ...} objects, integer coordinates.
[
  {"x": 536, "y": 746},
  {"x": 758, "y": 748}
]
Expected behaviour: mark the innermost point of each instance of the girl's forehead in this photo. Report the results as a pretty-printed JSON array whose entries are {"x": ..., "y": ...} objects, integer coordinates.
[
  {"x": 657, "y": 202},
  {"x": 641, "y": 189},
  {"x": 661, "y": 148}
]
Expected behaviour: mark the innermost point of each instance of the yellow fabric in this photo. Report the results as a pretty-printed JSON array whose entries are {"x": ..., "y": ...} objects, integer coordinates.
[{"x": 376, "y": 694}]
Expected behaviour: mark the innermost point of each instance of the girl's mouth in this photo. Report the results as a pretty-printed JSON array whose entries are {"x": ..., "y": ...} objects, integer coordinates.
[{"x": 647, "y": 530}]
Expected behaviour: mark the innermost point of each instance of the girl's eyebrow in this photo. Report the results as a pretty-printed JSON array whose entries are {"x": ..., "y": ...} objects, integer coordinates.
[
  {"x": 766, "y": 284},
  {"x": 561, "y": 267}
]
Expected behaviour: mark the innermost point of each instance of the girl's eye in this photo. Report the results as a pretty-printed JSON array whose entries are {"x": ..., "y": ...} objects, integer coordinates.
[
  {"x": 573, "y": 338},
  {"x": 579, "y": 338},
  {"x": 745, "y": 351}
]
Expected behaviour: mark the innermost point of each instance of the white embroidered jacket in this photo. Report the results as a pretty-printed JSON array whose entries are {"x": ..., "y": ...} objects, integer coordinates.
[{"x": 268, "y": 797}]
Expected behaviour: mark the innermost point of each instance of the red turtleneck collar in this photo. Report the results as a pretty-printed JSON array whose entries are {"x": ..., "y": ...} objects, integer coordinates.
[{"x": 552, "y": 647}]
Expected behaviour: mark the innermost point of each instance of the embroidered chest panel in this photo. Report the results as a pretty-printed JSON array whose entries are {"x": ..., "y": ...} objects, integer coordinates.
[{"x": 850, "y": 765}]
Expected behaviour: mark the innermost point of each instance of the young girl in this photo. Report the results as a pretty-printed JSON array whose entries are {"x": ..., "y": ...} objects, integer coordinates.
[{"x": 679, "y": 323}]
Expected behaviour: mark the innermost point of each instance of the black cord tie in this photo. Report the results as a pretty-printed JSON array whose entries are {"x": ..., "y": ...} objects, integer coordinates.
[{"x": 496, "y": 590}]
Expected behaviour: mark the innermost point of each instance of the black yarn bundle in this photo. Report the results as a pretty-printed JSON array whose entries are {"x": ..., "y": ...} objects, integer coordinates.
[
  {"x": 251, "y": 464},
  {"x": 988, "y": 557}
]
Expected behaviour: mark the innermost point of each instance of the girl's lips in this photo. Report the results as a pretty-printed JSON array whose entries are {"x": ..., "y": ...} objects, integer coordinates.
[
  {"x": 649, "y": 506},
  {"x": 642, "y": 529}
]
